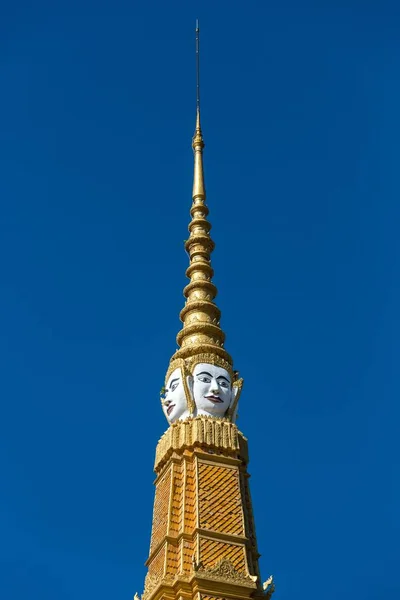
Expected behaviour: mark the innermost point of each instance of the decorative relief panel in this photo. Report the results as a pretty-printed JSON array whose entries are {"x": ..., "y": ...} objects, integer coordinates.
[{"x": 218, "y": 434}]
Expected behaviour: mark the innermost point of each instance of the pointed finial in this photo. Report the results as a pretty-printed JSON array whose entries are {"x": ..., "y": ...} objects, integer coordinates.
[
  {"x": 198, "y": 67},
  {"x": 201, "y": 334}
]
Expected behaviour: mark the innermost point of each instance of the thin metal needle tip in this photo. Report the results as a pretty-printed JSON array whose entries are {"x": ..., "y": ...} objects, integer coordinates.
[{"x": 197, "y": 67}]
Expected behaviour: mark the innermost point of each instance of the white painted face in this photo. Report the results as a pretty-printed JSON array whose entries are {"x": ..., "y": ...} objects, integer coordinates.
[
  {"x": 212, "y": 390},
  {"x": 174, "y": 403}
]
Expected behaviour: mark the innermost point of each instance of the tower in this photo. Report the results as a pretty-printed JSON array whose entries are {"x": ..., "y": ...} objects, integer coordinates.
[{"x": 203, "y": 543}]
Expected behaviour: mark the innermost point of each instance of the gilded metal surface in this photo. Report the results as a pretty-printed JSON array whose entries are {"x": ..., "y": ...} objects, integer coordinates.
[
  {"x": 201, "y": 334},
  {"x": 200, "y": 315}
]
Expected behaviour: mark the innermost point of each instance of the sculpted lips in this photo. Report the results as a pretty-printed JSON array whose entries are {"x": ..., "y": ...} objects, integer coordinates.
[
  {"x": 214, "y": 399},
  {"x": 170, "y": 409}
]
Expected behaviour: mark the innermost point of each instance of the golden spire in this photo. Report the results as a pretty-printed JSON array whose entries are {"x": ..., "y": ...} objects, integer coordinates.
[{"x": 201, "y": 334}]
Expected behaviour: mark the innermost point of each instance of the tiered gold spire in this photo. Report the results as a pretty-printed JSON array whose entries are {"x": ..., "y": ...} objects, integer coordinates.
[
  {"x": 201, "y": 333},
  {"x": 203, "y": 542}
]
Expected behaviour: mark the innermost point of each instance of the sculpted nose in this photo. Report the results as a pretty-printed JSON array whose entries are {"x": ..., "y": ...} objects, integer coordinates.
[{"x": 214, "y": 385}]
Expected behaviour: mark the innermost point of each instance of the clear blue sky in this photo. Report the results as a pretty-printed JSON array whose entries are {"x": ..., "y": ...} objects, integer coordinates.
[{"x": 301, "y": 121}]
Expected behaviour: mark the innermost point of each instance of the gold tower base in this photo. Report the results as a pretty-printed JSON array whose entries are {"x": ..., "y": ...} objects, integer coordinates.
[{"x": 203, "y": 543}]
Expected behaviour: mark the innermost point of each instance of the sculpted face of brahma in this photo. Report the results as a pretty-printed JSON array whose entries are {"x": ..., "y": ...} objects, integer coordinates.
[
  {"x": 174, "y": 403},
  {"x": 212, "y": 390}
]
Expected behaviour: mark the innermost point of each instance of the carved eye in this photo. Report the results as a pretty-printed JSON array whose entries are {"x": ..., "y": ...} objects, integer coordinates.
[
  {"x": 174, "y": 386},
  {"x": 204, "y": 379},
  {"x": 223, "y": 383}
]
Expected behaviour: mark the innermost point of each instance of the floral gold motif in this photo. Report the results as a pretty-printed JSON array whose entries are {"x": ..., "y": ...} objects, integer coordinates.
[
  {"x": 150, "y": 583},
  {"x": 225, "y": 571}
]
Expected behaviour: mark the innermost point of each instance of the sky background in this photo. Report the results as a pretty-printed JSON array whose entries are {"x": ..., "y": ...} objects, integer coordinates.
[{"x": 300, "y": 106}]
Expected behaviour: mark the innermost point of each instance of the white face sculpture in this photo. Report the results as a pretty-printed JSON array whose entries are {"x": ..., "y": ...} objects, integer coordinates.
[
  {"x": 174, "y": 403},
  {"x": 212, "y": 390}
]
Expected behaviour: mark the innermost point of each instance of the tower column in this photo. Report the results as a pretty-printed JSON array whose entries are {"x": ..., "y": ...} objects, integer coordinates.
[{"x": 203, "y": 542}]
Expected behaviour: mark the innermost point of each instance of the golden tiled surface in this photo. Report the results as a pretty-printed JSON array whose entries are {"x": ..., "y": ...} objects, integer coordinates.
[
  {"x": 220, "y": 502},
  {"x": 203, "y": 529},
  {"x": 212, "y": 551},
  {"x": 176, "y": 516},
  {"x": 157, "y": 564},
  {"x": 187, "y": 556},
  {"x": 172, "y": 563},
  {"x": 190, "y": 497},
  {"x": 160, "y": 513},
  {"x": 249, "y": 525}
]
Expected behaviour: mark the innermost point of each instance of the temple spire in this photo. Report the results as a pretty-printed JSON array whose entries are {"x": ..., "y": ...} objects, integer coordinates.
[
  {"x": 203, "y": 543},
  {"x": 201, "y": 332}
]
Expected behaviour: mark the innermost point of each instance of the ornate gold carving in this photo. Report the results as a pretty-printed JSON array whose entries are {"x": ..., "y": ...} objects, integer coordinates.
[
  {"x": 150, "y": 583},
  {"x": 218, "y": 434},
  {"x": 203, "y": 355},
  {"x": 238, "y": 385},
  {"x": 213, "y": 550},
  {"x": 226, "y": 572}
]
